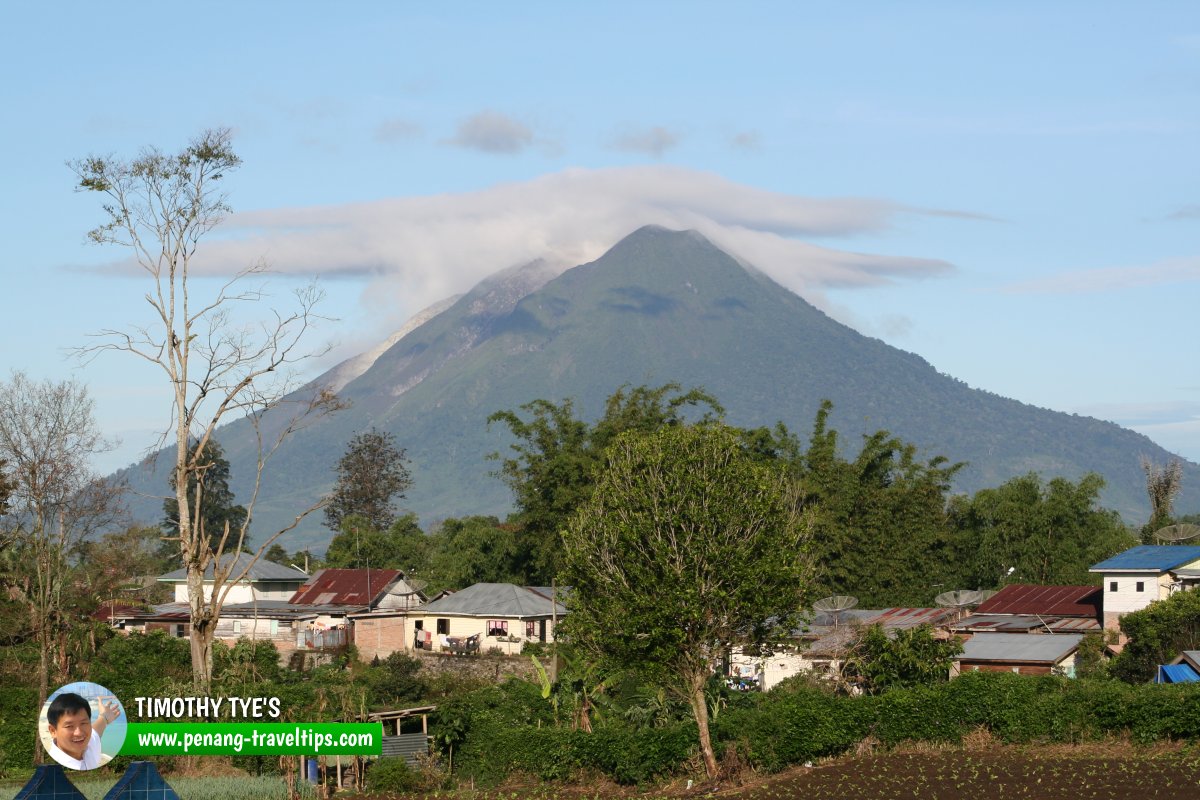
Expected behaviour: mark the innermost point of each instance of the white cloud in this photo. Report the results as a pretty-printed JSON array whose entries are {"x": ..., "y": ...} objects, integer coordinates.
[
  {"x": 1172, "y": 270},
  {"x": 653, "y": 141},
  {"x": 422, "y": 249},
  {"x": 492, "y": 132}
]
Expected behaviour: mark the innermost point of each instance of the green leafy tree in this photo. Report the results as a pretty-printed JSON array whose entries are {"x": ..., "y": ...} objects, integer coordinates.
[
  {"x": 556, "y": 456},
  {"x": 1091, "y": 659},
  {"x": 884, "y": 507},
  {"x": 371, "y": 476},
  {"x": 474, "y": 550},
  {"x": 1047, "y": 533},
  {"x": 900, "y": 659},
  {"x": 1157, "y": 635},
  {"x": 216, "y": 514},
  {"x": 359, "y": 545},
  {"x": 687, "y": 544},
  {"x": 276, "y": 554}
]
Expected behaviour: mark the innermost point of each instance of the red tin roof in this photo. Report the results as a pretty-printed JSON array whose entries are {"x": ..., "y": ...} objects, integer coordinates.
[
  {"x": 909, "y": 617},
  {"x": 1059, "y": 601},
  {"x": 345, "y": 587}
]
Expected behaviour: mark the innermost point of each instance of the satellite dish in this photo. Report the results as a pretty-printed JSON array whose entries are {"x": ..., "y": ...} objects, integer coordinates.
[
  {"x": 415, "y": 585},
  {"x": 959, "y": 598},
  {"x": 835, "y": 605},
  {"x": 1177, "y": 533}
]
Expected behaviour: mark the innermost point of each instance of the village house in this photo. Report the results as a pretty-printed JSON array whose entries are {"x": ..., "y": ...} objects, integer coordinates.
[
  {"x": 1141, "y": 575},
  {"x": 317, "y": 617},
  {"x": 1019, "y": 653},
  {"x": 1029, "y": 608},
  {"x": 485, "y": 617},
  {"x": 821, "y": 646},
  {"x": 264, "y": 580},
  {"x": 314, "y": 616}
]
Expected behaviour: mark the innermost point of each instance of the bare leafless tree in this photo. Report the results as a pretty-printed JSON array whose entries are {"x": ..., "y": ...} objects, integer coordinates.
[
  {"x": 159, "y": 207},
  {"x": 1162, "y": 485},
  {"x": 48, "y": 436}
]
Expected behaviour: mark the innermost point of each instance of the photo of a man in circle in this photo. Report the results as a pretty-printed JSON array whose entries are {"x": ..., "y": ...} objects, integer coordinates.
[{"x": 74, "y": 735}]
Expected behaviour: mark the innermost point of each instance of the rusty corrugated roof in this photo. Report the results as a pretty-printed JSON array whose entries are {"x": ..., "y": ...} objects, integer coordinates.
[
  {"x": 1058, "y": 601},
  {"x": 346, "y": 587},
  {"x": 909, "y": 617}
]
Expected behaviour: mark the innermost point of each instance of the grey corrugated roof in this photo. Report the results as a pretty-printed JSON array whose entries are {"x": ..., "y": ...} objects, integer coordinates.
[
  {"x": 262, "y": 570},
  {"x": 1189, "y": 657},
  {"x": 494, "y": 600},
  {"x": 1020, "y": 647}
]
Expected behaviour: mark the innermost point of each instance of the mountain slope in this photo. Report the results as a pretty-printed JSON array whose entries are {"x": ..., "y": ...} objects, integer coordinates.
[{"x": 667, "y": 306}]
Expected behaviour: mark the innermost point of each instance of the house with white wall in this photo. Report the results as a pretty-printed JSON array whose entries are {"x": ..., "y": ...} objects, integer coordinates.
[
  {"x": 1143, "y": 574},
  {"x": 503, "y": 616},
  {"x": 820, "y": 646},
  {"x": 264, "y": 580}
]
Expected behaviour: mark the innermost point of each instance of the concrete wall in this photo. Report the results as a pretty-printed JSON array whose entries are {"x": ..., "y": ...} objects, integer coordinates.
[{"x": 380, "y": 636}]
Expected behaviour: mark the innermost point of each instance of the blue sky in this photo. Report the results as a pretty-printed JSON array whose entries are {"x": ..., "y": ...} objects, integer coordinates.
[{"x": 1009, "y": 190}]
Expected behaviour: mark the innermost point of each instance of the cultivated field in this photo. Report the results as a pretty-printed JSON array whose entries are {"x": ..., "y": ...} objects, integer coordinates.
[
  {"x": 983, "y": 776},
  {"x": 1112, "y": 772}
]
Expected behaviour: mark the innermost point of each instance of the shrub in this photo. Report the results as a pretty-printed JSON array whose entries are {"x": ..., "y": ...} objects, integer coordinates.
[{"x": 391, "y": 775}]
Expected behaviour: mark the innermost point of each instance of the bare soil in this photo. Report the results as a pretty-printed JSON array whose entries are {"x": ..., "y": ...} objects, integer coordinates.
[{"x": 1108, "y": 771}]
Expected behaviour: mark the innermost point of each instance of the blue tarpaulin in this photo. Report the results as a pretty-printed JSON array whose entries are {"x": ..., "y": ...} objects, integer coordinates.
[{"x": 1177, "y": 673}]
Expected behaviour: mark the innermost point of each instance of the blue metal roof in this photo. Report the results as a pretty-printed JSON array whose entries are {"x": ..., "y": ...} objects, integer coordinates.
[
  {"x": 1177, "y": 673},
  {"x": 1150, "y": 558}
]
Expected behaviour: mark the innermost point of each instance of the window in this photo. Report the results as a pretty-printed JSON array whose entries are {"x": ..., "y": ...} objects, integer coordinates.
[
  {"x": 497, "y": 627},
  {"x": 237, "y": 626},
  {"x": 1141, "y": 587},
  {"x": 1112, "y": 586},
  {"x": 530, "y": 629},
  {"x": 443, "y": 627}
]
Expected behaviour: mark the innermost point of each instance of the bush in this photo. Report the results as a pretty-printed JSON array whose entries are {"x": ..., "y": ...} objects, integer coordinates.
[
  {"x": 510, "y": 729},
  {"x": 18, "y": 707},
  {"x": 391, "y": 775}
]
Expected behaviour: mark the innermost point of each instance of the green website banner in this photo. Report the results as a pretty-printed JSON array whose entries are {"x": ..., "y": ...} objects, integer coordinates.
[{"x": 253, "y": 739}]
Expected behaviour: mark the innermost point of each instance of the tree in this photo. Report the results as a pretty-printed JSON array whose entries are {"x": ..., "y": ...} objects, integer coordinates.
[
  {"x": 1157, "y": 634},
  {"x": 276, "y": 554},
  {"x": 1048, "y": 533},
  {"x": 359, "y": 545},
  {"x": 370, "y": 475},
  {"x": 686, "y": 545},
  {"x": 1162, "y": 485},
  {"x": 212, "y": 499},
  {"x": 7, "y": 487},
  {"x": 159, "y": 207},
  {"x": 48, "y": 435},
  {"x": 557, "y": 455},
  {"x": 902, "y": 659},
  {"x": 473, "y": 550},
  {"x": 884, "y": 506}
]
